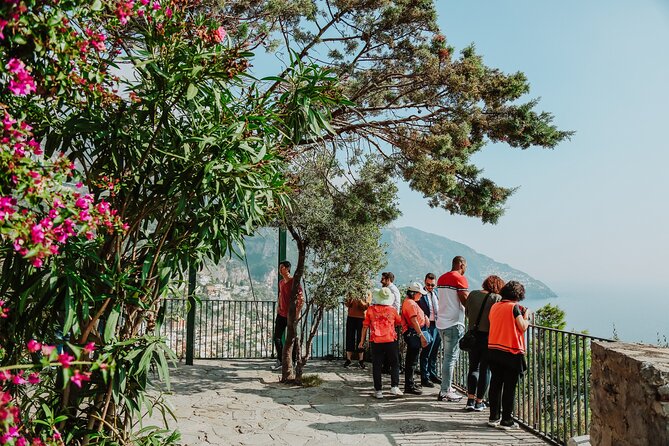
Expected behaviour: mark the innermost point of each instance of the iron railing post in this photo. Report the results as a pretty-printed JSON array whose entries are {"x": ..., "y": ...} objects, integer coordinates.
[{"x": 190, "y": 318}]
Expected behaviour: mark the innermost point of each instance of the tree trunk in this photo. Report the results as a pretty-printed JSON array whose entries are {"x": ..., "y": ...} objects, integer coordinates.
[
  {"x": 287, "y": 354},
  {"x": 302, "y": 359}
]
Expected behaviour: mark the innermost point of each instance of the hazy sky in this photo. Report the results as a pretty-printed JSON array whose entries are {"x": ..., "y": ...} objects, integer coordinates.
[{"x": 592, "y": 213}]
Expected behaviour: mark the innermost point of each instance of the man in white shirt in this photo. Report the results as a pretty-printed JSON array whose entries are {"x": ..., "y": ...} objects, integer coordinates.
[{"x": 429, "y": 303}]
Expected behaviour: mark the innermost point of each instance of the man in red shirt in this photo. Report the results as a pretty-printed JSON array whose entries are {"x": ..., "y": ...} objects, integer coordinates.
[
  {"x": 452, "y": 288},
  {"x": 281, "y": 322}
]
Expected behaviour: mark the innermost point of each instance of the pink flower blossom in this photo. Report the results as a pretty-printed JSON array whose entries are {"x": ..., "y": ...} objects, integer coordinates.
[
  {"x": 22, "y": 83},
  {"x": 5, "y": 375},
  {"x": 78, "y": 377},
  {"x": 89, "y": 348},
  {"x": 3, "y": 23},
  {"x": 37, "y": 234},
  {"x": 156, "y": 6},
  {"x": 34, "y": 378},
  {"x": 18, "y": 379},
  {"x": 37, "y": 262},
  {"x": 168, "y": 13},
  {"x": 82, "y": 203},
  {"x": 65, "y": 360},
  {"x": 34, "y": 346},
  {"x": 84, "y": 216},
  {"x": 48, "y": 349},
  {"x": 219, "y": 34}
]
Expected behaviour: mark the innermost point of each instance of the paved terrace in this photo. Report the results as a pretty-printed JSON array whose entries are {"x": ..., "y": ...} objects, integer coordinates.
[{"x": 241, "y": 402}]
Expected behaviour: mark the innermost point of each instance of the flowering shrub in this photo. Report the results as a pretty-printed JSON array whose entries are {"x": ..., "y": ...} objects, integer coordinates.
[
  {"x": 16, "y": 426},
  {"x": 38, "y": 212}
]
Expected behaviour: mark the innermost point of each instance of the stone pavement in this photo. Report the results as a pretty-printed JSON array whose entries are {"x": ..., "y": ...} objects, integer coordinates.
[{"x": 241, "y": 402}]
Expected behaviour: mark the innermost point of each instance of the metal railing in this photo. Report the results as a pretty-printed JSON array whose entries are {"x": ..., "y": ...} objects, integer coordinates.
[
  {"x": 226, "y": 329},
  {"x": 552, "y": 398}
]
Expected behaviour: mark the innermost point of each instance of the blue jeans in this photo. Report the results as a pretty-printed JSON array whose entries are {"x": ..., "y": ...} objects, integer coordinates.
[
  {"x": 428, "y": 356},
  {"x": 449, "y": 339}
]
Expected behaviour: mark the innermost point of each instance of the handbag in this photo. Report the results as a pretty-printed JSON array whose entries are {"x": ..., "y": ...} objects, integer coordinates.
[{"x": 468, "y": 341}]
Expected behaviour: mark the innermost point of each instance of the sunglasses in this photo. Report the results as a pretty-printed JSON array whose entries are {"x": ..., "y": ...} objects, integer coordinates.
[{"x": 429, "y": 285}]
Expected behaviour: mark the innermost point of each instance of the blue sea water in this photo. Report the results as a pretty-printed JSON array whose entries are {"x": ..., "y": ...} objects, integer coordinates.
[{"x": 633, "y": 314}]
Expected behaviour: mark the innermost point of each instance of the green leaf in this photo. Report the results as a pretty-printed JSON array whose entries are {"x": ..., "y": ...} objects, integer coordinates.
[
  {"x": 112, "y": 321},
  {"x": 191, "y": 92},
  {"x": 96, "y": 6}
]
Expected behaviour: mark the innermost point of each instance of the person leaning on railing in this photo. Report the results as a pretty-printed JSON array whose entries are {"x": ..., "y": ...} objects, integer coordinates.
[
  {"x": 506, "y": 352},
  {"x": 478, "y": 377},
  {"x": 357, "y": 307}
]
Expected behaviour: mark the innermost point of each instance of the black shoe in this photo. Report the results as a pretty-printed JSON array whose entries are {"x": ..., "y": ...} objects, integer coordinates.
[
  {"x": 426, "y": 383},
  {"x": 362, "y": 364},
  {"x": 413, "y": 390},
  {"x": 436, "y": 380},
  {"x": 347, "y": 363}
]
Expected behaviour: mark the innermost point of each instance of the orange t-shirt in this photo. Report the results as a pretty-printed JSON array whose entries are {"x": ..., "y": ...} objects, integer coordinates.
[
  {"x": 410, "y": 309},
  {"x": 381, "y": 320}
]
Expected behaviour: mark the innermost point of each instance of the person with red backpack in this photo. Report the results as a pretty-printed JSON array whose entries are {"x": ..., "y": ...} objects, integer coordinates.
[{"x": 380, "y": 321}]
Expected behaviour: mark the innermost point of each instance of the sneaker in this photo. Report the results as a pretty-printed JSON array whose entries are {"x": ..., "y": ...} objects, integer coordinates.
[
  {"x": 470, "y": 404},
  {"x": 396, "y": 391},
  {"x": 379, "y": 394},
  {"x": 277, "y": 365},
  {"x": 413, "y": 390},
  {"x": 452, "y": 396},
  {"x": 426, "y": 383},
  {"x": 507, "y": 425},
  {"x": 479, "y": 406},
  {"x": 362, "y": 364},
  {"x": 493, "y": 423},
  {"x": 347, "y": 363}
]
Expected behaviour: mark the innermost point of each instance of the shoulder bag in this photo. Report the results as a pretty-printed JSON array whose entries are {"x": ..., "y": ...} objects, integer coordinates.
[{"x": 468, "y": 341}]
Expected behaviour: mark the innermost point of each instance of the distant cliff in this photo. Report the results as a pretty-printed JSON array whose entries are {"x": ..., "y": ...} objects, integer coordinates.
[
  {"x": 413, "y": 253},
  {"x": 410, "y": 254}
]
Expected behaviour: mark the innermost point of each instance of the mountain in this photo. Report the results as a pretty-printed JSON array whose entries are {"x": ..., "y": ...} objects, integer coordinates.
[{"x": 411, "y": 254}]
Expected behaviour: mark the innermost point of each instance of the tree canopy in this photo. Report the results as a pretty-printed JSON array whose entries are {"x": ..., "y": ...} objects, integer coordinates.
[{"x": 426, "y": 109}]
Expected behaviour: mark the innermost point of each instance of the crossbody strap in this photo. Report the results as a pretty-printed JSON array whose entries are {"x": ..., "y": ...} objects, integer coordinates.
[{"x": 478, "y": 319}]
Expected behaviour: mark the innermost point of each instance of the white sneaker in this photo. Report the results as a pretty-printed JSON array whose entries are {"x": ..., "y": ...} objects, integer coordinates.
[
  {"x": 396, "y": 391},
  {"x": 379, "y": 394},
  {"x": 277, "y": 365},
  {"x": 453, "y": 396}
]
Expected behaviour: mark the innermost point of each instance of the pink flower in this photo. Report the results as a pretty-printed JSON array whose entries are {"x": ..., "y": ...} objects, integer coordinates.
[
  {"x": 89, "y": 235},
  {"x": 82, "y": 203},
  {"x": 103, "y": 207},
  {"x": 33, "y": 378},
  {"x": 65, "y": 360},
  {"x": 89, "y": 348},
  {"x": 37, "y": 262},
  {"x": 23, "y": 83},
  {"x": 37, "y": 234},
  {"x": 168, "y": 13},
  {"x": 5, "y": 375},
  {"x": 84, "y": 216},
  {"x": 78, "y": 378},
  {"x": 34, "y": 346},
  {"x": 219, "y": 34},
  {"x": 156, "y": 6},
  {"x": 47, "y": 349},
  {"x": 19, "y": 379},
  {"x": 3, "y": 23}
]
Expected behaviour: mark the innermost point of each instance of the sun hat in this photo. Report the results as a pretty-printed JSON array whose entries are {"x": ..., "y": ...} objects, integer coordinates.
[
  {"x": 382, "y": 296},
  {"x": 416, "y": 287}
]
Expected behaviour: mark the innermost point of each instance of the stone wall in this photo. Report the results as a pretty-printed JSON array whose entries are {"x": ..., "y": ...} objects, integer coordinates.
[{"x": 629, "y": 395}]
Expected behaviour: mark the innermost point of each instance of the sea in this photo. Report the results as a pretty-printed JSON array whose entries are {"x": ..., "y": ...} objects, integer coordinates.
[{"x": 630, "y": 314}]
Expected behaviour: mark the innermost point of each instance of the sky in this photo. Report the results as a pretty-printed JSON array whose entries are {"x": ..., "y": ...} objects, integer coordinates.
[{"x": 590, "y": 215}]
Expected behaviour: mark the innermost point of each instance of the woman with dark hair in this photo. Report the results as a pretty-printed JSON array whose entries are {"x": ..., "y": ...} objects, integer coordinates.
[
  {"x": 479, "y": 302},
  {"x": 506, "y": 351},
  {"x": 356, "y": 314}
]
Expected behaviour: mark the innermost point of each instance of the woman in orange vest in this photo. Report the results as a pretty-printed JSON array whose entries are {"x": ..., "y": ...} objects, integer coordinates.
[{"x": 506, "y": 352}]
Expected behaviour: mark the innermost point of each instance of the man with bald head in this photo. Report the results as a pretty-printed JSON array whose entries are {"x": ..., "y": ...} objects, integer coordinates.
[{"x": 452, "y": 288}]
